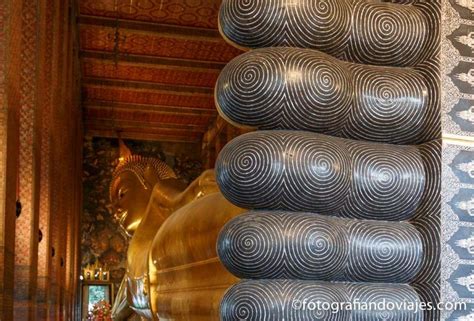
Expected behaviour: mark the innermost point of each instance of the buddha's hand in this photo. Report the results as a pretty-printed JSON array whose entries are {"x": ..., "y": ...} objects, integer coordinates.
[{"x": 204, "y": 185}]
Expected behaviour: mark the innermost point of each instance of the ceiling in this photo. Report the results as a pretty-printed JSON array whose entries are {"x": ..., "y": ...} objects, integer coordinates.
[{"x": 149, "y": 67}]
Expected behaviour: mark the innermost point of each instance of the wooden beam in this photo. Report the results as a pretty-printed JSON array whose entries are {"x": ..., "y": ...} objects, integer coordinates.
[
  {"x": 170, "y": 110},
  {"x": 107, "y": 123},
  {"x": 149, "y": 86},
  {"x": 108, "y": 133},
  {"x": 150, "y": 60},
  {"x": 153, "y": 28},
  {"x": 150, "y": 117}
]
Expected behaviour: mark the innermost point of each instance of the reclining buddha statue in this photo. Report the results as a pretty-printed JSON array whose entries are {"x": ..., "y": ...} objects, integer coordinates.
[{"x": 173, "y": 231}]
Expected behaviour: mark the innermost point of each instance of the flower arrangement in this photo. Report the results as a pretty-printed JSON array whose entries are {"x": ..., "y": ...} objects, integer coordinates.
[{"x": 101, "y": 311}]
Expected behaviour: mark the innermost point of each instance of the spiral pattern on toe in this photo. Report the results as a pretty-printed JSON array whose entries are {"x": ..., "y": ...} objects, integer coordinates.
[
  {"x": 256, "y": 81},
  {"x": 329, "y": 32},
  {"x": 365, "y": 32},
  {"x": 317, "y": 171},
  {"x": 245, "y": 168},
  {"x": 388, "y": 34},
  {"x": 394, "y": 296},
  {"x": 296, "y": 301},
  {"x": 389, "y": 105},
  {"x": 243, "y": 13},
  {"x": 299, "y": 171},
  {"x": 313, "y": 247},
  {"x": 383, "y": 252},
  {"x": 301, "y": 89},
  {"x": 255, "y": 245},
  {"x": 388, "y": 181},
  {"x": 250, "y": 303}
]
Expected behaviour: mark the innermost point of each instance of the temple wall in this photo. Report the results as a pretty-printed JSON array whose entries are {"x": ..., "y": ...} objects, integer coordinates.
[
  {"x": 40, "y": 129},
  {"x": 457, "y": 58}
]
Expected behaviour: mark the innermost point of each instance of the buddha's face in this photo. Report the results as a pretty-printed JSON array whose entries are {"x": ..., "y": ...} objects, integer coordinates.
[{"x": 130, "y": 201}]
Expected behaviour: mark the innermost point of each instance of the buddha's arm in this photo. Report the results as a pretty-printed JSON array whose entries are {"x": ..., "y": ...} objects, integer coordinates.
[
  {"x": 121, "y": 310},
  {"x": 169, "y": 197}
]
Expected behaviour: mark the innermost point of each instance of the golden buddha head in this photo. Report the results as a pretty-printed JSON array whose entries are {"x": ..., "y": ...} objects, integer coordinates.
[{"x": 131, "y": 188}]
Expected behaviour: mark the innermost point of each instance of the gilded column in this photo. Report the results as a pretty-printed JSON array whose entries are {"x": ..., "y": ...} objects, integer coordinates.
[
  {"x": 46, "y": 100},
  {"x": 10, "y": 23}
]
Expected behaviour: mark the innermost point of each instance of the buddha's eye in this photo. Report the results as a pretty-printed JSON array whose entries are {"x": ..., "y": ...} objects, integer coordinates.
[{"x": 121, "y": 193}]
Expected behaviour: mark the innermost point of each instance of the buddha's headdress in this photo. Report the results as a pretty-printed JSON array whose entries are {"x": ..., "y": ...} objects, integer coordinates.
[{"x": 138, "y": 165}]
